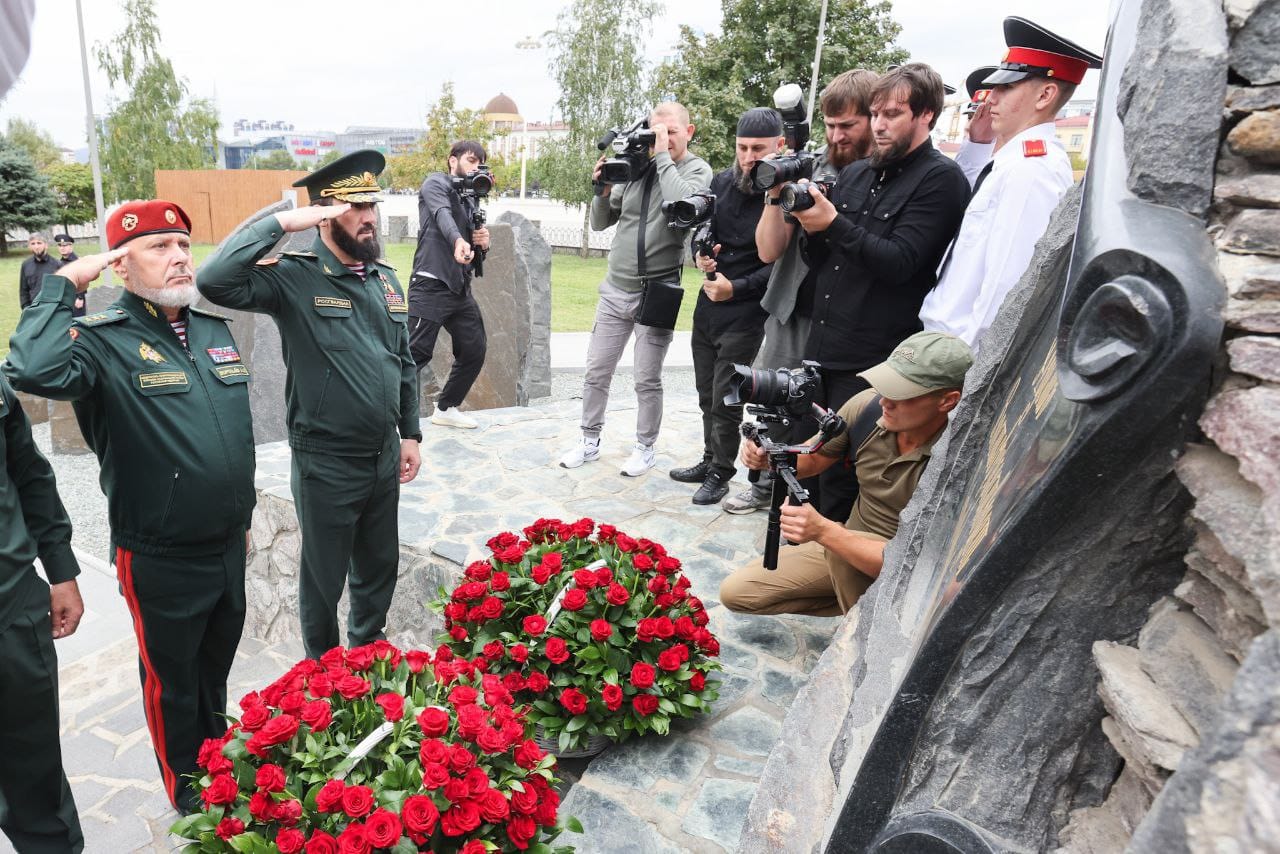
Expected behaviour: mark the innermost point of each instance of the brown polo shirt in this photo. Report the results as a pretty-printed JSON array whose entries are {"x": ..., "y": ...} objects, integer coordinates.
[{"x": 886, "y": 479}]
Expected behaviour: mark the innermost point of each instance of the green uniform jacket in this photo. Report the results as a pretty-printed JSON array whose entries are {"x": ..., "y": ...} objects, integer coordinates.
[
  {"x": 33, "y": 522},
  {"x": 352, "y": 382},
  {"x": 171, "y": 427}
]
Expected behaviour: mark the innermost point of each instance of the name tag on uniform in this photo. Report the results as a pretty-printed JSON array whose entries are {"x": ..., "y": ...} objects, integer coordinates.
[
  {"x": 159, "y": 379},
  {"x": 223, "y": 355},
  {"x": 228, "y": 371},
  {"x": 332, "y": 302}
]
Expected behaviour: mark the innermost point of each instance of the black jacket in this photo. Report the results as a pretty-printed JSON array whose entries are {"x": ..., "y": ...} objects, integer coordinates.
[
  {"x": 32, "y": 276},
  {"x": 734, "y": 228},
  {"x": 443, "y": 217},
  {"x": 879, "y": 258}
]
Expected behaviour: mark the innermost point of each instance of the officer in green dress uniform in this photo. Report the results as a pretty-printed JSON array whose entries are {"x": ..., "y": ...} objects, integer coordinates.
[
  {"x": 162, "y": 399},
  {"x": 351, "y": 389},
  {"x": 37, "y": 811}
]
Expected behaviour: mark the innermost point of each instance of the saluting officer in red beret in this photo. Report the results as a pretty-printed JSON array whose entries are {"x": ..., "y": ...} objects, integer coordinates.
[
  {"x": 162, "y": 398},
  {"x": 1018, "y": 188}
]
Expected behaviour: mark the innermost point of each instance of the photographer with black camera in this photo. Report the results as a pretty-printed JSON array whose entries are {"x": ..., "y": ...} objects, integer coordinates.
[
  {"x": 876, "y": 243},
  {"x": 643, "y": 282},
  {"x": 891, "y": 430},
  {"x": 452, "y": 242},
  {"x": 728, "y": 322}
]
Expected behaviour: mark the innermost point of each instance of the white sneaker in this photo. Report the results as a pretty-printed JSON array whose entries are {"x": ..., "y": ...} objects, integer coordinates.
[
  {"x": 453, "y": 418},
  {"x": 640, "y": 461},
  {"x": 586, "y": 451}
]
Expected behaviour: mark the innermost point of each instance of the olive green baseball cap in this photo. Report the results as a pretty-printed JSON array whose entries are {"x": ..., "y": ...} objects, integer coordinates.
[{"x": 925, "y": 362}]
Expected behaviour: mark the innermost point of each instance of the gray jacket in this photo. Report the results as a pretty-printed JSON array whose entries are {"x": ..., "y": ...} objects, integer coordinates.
[{"x": 664, "y": 247}]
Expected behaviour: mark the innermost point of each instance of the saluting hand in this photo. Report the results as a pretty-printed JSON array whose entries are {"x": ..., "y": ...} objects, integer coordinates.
[
  {"x": 84, "y": 270},
  {"x": 309, "y": 216},
  {"x": 65, "y": 607},
  {"x": 410, "y": 460},
  {"x": 980, "y": 129}
]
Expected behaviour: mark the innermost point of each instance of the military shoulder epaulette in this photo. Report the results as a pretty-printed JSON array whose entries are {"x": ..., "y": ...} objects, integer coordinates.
[
  {"x": 385, "y": 263},
  {"x": 266, "y": 262},
  {"x": 102, "y": 318},
  {"x": 205, "y": 312},
  {"x": 300, "y": 253},
  {"x": 1034, "y": 148}
]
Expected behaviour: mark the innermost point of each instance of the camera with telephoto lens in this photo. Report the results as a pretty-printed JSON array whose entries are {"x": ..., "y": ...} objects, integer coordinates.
[
  {"x": 789, "y": 101},
  {"x": 691, "y": 210},
  {"x": 476, "y": 185},
  {"x": 795, "y": 196},
  {"x": 790, "y": 391},
  {"x": 631, "y": 147}
]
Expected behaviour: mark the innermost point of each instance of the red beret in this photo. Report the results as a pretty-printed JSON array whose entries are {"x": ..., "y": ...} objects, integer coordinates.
[{"x": 134, "y": 219}]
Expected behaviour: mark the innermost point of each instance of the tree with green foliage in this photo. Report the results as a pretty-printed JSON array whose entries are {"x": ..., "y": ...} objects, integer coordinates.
[
  {"x": 25, "y": 199},
  {"x": 44, "y": 152},
  {"x": 600, "y": 71},
  {"x": 157, "y": 125},
  {"x": 72, "y": 186},
  {"x": 446, "y": 124},
  {"x": 275, "y": 159},
  {"x": 763, "y": 44}
]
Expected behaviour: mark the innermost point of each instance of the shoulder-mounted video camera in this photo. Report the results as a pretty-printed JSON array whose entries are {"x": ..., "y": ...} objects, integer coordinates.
[{"x": 631, "y": 147}]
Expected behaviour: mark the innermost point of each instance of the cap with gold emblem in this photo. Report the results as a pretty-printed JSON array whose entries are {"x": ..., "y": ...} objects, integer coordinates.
[
  {"x": 353, "y": 178},
  {"x": 134, "y": 219},
  {"x": 1036, "y": 52},
  {"x": 977, "y": 89}
]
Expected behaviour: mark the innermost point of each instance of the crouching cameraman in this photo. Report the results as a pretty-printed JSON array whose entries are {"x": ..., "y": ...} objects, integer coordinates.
[{"x": 834, "y": 564}]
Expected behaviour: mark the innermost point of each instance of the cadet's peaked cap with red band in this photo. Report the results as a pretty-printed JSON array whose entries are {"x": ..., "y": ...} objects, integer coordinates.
[
  {"x": 976, "y": 88},
  {"x": 1036, "y": 52},
  {"x": 134, "y": 219}
]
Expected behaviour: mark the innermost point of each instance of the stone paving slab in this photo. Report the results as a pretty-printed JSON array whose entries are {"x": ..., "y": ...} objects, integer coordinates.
[{"x": 685, "y": 793}]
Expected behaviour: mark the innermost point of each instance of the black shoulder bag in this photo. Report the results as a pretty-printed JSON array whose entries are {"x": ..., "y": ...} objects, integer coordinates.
[{"x": 660, "y": 299}]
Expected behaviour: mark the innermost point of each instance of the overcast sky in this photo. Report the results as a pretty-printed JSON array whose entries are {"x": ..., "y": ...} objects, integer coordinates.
[{"x": 320, "y": 66}]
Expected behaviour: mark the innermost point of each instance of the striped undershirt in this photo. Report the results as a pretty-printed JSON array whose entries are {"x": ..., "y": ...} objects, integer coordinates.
[
  {"x": 357, "y": 268},
  {"x": 179, "y": 327}
]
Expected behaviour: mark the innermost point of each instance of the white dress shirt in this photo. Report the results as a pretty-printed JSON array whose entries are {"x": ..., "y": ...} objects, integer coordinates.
[{"x": 998, "y": 235}]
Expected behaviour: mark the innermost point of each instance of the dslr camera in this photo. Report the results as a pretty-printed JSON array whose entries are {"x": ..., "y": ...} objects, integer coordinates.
[
  {"x": 696, "y": 209},
  {"x": 631, "y": 149},
  {"x": 794, "y": 196},
  {"x": 785, "y": 392},
  {"x": 789, "y": 101},
  {"x": 474, "y": 185}
]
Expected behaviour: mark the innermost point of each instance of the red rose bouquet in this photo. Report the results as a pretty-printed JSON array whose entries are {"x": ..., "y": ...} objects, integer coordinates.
[
  {"x": 600, "y": 634},
  {"x": 374, "y": 749}
]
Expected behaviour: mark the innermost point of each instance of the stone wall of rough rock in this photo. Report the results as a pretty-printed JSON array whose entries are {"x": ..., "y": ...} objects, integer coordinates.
[{"x": 1194, "y": 707}]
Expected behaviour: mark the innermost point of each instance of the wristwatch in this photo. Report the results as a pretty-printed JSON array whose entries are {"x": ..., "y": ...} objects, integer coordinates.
[{"x": 417, "y": 437}]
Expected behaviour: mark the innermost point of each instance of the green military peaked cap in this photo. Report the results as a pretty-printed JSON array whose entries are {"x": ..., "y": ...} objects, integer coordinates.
[{"x": 353, "y": 178}]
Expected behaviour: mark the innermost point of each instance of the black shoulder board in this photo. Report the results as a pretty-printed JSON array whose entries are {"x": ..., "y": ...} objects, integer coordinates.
[
  {"x": 102, "y": 318},
  {"x": 207, "y": 313}
]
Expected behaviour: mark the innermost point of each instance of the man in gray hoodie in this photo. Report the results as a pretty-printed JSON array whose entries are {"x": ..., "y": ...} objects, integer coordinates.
[{"x": 674, "y": 174}]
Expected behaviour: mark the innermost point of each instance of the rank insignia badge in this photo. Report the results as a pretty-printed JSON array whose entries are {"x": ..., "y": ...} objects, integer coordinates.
[
  {"x": 151, "y": 309},
  {"x": 149, "y": 354},
  {"x": 223, "y": 355}
]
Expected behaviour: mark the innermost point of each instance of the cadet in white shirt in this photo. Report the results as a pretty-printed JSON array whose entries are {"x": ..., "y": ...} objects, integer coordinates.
[{"x": 1015, "y": 193}]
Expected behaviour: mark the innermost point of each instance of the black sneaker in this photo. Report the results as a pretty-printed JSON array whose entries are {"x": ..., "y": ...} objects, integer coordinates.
[
  {"x": 692, "y": 474},
  {"x": 715, "y": 487}
]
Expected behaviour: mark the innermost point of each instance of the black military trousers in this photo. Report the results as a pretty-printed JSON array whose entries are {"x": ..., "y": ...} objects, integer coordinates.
[
  {"x": 432, "y": 306},
  {"x": 347, "y": 510},
  {"x": 188, "y": 615},
  {"x": 37, "y": 811},
  {"x": 714, "y": 355}
]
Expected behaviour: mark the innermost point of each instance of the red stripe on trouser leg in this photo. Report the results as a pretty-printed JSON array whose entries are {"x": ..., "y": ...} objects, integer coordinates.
[{"x": 152, "y": 688}]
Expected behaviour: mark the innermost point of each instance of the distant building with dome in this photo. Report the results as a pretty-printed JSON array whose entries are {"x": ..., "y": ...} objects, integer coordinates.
[{"x": 508, "y": 132}]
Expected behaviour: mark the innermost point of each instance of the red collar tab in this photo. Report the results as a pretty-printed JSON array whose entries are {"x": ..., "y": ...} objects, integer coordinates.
[
  {"x": 1066, "y": 68},
  {"x": 1034, "y": 148}
]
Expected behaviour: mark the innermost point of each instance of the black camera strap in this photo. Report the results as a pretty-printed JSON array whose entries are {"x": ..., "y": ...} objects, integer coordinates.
[
  {"x": 860, "y": 429},
  {"x": 645, "y": 197}
]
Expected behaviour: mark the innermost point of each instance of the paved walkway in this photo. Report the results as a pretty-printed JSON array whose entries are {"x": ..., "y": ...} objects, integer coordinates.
[{"x": 688, "y": 792}]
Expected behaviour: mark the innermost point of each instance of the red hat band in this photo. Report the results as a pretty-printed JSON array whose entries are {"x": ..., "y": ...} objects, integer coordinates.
[{"x": 1066, "y": 68}]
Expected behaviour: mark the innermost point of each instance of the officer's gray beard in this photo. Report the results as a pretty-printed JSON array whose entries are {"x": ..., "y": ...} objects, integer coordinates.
[
  {"x": 178, "y": 296},
  {"x": 742, "y": 180}
]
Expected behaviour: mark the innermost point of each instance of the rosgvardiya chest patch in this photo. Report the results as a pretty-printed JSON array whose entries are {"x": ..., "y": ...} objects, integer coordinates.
[
  {"x": 150, "y": 354},
  {"x": 395, "y": 300},
  {"x": 223, "y": 355}
]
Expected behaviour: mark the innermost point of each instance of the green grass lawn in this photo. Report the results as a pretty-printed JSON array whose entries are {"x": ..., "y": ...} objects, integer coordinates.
[{"x": 573, "y": 286}]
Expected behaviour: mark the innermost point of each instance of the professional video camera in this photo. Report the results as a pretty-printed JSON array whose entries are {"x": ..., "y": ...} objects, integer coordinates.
[
  {"x": 696, "y": 209},
  {"x": 631, "y": 145},
  {"x": 795, "y": 196},
  {"x": 780, "y": 397},
  {"x": 798, "y": 163},
  {"x": 475, "y": 185}
]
